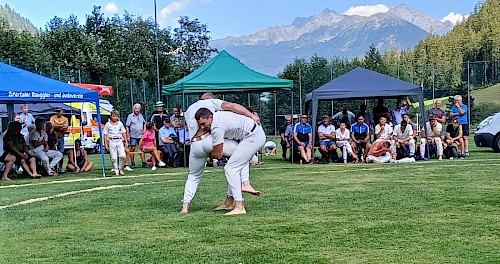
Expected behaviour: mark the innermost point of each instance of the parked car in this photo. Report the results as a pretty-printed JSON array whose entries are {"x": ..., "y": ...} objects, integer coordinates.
[{"x": 488, "y": 133}]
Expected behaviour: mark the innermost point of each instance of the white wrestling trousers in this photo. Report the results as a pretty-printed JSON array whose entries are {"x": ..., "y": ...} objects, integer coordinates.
[
  {"x": 55, "y": 155},
  {"x": 346, "y": 148},
  {"x": 382, "y": 159},
  {"x": 117, "y": 153},
  {"x": 240, "y": 160},
  {"x": 439, "y": 146},
  {"x": 410, "y": 144},
  {"x": 200, "y": 151}
]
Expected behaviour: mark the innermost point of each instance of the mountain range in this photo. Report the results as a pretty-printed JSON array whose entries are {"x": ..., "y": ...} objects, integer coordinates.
[
  {"x": 330, "y": 34},
  {"x": 15, "y": 21}
]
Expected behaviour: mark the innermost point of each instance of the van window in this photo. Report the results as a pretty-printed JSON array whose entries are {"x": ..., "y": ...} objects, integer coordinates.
[{"x": 104, "y": 118}]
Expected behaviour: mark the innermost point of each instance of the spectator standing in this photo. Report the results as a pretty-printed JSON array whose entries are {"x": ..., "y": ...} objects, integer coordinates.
[
  {"x": 459, "y": 111},
  {"x": 284, "y": 140},
  {"x": 135, "y": 125},
  {"x": 380, "y": 111},
  {"x": 302, "y": 139},
  {"x": 454, "y": 134},
  {"x": 360, "y": 135},
  {"x": 51, "y": 135},
  {"x": 403, "y": 136},
  {"x": 289, "y": 131},
  {"x": 366, "y": 116},
  {"x": 171, "y": 152},
  {"x": 397, "y": 113},
  {"x": 326, "y": 134},
  {"x": 177, "y": 120},
  {"x": 344, "y": 115},
  {"x": 115, "y": 140},
  {"x": 40, "y": 148},
  {"x": 26, "y": 119},
  {"x": 433, "y": 137},
  {"x": 158, "y": 117},
  {"x": 342, "y": 137},
  {"x": 60, "y": 124},
  {"x": 437, "y": 112}
]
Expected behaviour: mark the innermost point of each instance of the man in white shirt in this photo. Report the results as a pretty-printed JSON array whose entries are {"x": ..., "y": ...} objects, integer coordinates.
[
  {"x": 326, "y": 133},
  {"x": 383, "y": 131},
  {"x": 345, "y": 115},
  {"x": 403, "y": 136},
  {"x": 40, "y": 148},
  {"x": 433, "y": 137},
  {"x": 200, "y": 151},
  {"x": 251, "y": 138}
]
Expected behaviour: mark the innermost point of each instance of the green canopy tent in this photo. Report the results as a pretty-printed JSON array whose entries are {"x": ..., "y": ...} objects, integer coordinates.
[{"x": 226, "y": 74}]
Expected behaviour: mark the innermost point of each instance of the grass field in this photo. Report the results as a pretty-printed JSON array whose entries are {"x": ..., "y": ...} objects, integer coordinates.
[
  {"x": 426, "y": 212},
  {"x": 487, "y": 95}
]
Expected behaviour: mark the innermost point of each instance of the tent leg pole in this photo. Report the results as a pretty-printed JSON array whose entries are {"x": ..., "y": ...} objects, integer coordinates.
[
  {"x": 291, "y": 145},
  {"x": 275, "y": 117},
  {"x": 101, "y": 140}
]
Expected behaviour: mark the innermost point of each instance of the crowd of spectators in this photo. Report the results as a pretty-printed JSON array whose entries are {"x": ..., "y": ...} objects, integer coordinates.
[
  {"x": 389, "y": 136},
  {"x": 36, "y": 145}
]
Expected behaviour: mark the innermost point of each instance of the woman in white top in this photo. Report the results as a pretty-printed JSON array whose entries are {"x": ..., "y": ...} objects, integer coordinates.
[{"x": 343, "y": 136}]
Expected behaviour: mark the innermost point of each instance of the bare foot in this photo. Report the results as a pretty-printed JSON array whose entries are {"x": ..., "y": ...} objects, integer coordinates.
[
  {"x": 247, "y": 188},
  {"x": 224, "y": 206},
  {"x": 6, "y": 179},
  {"x": 185, "y": 208},
  {"x": 237, "y": 211}
]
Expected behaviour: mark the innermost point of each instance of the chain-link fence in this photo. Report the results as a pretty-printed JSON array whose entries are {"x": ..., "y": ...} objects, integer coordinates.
[{"x": 437, "y": 80}]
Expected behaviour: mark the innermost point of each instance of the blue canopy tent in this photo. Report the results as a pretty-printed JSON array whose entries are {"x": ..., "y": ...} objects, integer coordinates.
[
  {"x": 361, "y": 83},
  {"x": 19, "y": 87}
]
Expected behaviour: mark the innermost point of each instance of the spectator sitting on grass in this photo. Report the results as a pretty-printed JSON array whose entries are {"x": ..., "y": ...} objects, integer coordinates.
[
  {"x": 270, "y": 148},
  {"x": 381, "y": 152},
  {"x": 78, "y": 160},
  {"x": 16, "y": 152}
]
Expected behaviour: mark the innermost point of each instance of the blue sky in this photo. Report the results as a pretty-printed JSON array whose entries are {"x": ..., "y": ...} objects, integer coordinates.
[{"x": 229, "y": 17}]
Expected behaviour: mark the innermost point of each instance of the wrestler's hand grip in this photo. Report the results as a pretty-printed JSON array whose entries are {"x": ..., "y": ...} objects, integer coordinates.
[{"x": 217, "y": 151}]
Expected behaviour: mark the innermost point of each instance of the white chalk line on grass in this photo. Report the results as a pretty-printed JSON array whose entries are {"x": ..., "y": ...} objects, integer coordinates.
[
  {"x": 91, "y": 179},
  {"x": 101, "y": 188}
]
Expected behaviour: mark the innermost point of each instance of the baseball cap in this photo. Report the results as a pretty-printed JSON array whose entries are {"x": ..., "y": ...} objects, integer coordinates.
[
  {"x": 295, "y": 116},
  {"x": 58, "y": 108},
  {"x": 325, "y": 116},
  {"x": 431, "y": 118},
  {"x": 456, "y": 121},
  {"x": 160, "y": 104}
]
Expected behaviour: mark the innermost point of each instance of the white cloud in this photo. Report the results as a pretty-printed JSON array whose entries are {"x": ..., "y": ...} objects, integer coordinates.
[
  {"x": 167, "y": 13},
  {"x": 366, "y": 10},
  {"x": 454, "y": 18},
  {"x": 111, "y": 8}
]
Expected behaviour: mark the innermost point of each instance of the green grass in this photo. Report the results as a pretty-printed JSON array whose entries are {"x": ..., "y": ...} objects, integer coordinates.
[
  {"x": 426, "y": 212},
  {"x": 487, "y": 95}
]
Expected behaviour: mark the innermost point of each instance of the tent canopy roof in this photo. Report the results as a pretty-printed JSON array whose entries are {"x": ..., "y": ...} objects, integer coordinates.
[
  {"x": 104, "y": 90},
  {"x": 363, "y": 83},
  {"x": 20, "y": 86},
  {"x": 225, "y": 73}
]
